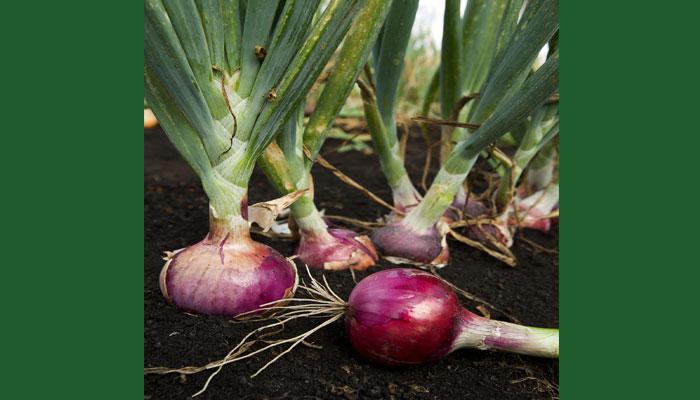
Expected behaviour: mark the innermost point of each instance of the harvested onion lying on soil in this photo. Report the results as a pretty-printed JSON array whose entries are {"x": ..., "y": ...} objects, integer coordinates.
[
  {"x": 410, "y": 317},
  {"x": 395, "y": 317}
]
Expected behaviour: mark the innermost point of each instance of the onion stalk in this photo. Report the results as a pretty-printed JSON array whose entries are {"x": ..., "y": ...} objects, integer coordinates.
[
  {"x": 527, "y": 205},
  {"x": 541, "y": 170},
  {"x": 469, "y": 44},
  {"x": 542, "y": 185},
  {"x": 380, "y": 103},
  {"x": 287, "y": 168},
  {"x": 221, "y": 83},
  {"x": 319, "y": 246},
  {"x": 533, "y": 135},
  {"x": 509, "y": 95},
  {"x": 537, "y": 152}
]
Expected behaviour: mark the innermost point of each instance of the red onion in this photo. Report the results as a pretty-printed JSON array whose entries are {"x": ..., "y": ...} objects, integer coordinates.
[
  {"x": 409, "y": 317},
  {"x": 227, "y": 272},
  {"x": 477, "y": 209},
  {"x": 336, "y": 249},
  {"x": 537, "y": 205},
  {"x": 399, "y": 243}
]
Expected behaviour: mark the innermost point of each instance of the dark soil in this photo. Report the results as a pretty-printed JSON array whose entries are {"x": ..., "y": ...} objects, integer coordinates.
[{"x": 176, "y": 215}]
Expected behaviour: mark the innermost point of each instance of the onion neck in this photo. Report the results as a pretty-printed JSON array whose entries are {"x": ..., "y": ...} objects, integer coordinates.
[
  {"x": 436, "y": 201},
  {"x": 404, "y": 194},
  {"x": 309, "y": 219},
  {"x": 231, "y": 227},
  {"x": 542, "y": 167},
  {"x": 486, "y": 334},
  {"x": 541, "y": 202}
]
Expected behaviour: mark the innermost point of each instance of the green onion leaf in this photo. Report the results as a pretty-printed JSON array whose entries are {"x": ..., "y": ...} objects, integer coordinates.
[
  {"x": 351, "y": 60},
  {"x": 259, "y": 18},
  {"x": 538, "y": 25},
  {"x": 389, "y": 60},
  {"x": 167, "y": 60},
  {"x": 232, "y": 34}
]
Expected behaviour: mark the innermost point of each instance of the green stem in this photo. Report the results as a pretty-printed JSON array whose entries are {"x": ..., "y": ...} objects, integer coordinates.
[
  {"x": 430, "y": 95},
  {"x": 290, "y": 31},
  {"x": 277, "y": 171},
  {"x": 450, "y": 69},
  {"x": 440, "y": 195},
  {"x": 232, "y": 31},
  {"x": 303, "y": 71},
  {"x": 225, "y": 198},
  {"x": 515, "y": 56},
  {"x": 187, "y": 23},
  {"x": 487, "y": 334},
  {"x": 515, "y": 109},
  {"x": 388, "y": 60},
  {"x": 539, "y": 133},
  {"x": 290, "y": 142},
  {"x": 542, "y": 168},
  {"x": 307, "y": 216},
  {"x": 353, "y": 55},
  {"x": 389, "y": 155},
  {"x": 256, "y": 31}
]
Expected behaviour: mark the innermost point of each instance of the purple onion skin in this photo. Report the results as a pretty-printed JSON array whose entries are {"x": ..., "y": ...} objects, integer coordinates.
[
  {"x": 226, "y": 273},
  {"x": 451, "y": 214},
  {"x": 395, "y": 240},
  {"x": 407, "y": 317},
  {"x": 476, "y": 209},
  {"x": 340, "y": 249},
  {"x": 402, "y": 317},
  {"x": 543, "y": 225},
  {"x": 531, "y": 220}
]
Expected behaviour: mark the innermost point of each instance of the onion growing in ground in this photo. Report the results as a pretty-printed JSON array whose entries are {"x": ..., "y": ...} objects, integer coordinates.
[
  {"x": 508, "y": 95},
  {"x": 535, "y": 210},
  {"x": 227, "y": 272},
  {"x": 319, "y": 246},
  {"x": 336, "y": 249},
  {"x": 221, "y": 105},
  {"x": 287, "y": 164},
  {"x": 538, "y": 196},
  {"x": 476, "y": 209}
]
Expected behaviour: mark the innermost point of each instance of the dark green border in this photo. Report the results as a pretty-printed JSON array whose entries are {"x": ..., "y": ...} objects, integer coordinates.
[
  {"x": 629, "y": 266},
  {"x": 73, "y": 200},
  {"x": 72, "y": 157}
]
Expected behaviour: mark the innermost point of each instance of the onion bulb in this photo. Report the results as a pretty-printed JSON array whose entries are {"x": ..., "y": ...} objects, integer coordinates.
[
  {"x": 336, "y": 249},
  {"x": 227, "y": 272},
  {"x": 403, "y": 317}
]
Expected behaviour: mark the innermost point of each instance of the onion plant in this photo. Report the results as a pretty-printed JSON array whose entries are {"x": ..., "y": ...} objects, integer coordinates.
[
  {"x": 508, "y": 95},
  {"x": 538, "y": 195},
  {"x": 380, "y": 102},
  {"x": 223, "y": 77},
  {"x": 540, "y": 129},
  {"x": 526, "y": 206},
  {"x": 536, "y": 199},
  {"x": 288, "y": 169},
  {"x": 468, "y": 45},
  {"x": 539, "y": 192}
]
